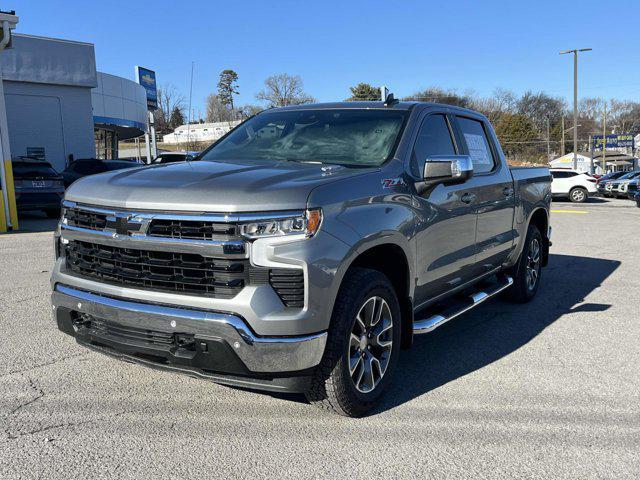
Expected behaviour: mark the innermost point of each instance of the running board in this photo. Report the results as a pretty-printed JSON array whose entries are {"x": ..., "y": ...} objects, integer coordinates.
[{"x": 431, "y": 323}]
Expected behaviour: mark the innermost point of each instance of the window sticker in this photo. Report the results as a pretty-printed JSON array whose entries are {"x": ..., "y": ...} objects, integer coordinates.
[{"x": 478, "y": 149}]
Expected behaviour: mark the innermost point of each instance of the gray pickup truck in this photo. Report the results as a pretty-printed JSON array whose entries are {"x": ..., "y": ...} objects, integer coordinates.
[{"x": 302, "y": 251}]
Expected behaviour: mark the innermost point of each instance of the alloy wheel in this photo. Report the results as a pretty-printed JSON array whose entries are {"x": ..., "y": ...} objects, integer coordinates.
[
  {"x": 577, "y": 195},
  {"x": 533, "y": 264},
  {"x": 370, "y": 344}
]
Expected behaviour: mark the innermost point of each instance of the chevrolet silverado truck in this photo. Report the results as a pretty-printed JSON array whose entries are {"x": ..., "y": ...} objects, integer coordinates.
[{"x": 303, "y": 250}]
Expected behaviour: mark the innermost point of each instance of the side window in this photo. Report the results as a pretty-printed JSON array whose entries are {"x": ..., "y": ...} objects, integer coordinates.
[
  {"x": 478, "y": 144},
  {"x": 560, "y": 174},
  {"x": 434, "y": 138}
]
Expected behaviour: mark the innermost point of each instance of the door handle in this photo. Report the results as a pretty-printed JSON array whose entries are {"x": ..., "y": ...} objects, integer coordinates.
[
  {"x": 507, "y": 191},
  {"x": 468, "y": 197}
]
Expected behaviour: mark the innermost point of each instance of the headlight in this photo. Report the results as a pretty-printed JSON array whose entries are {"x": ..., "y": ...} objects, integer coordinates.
[{"x": 307, "y": 224}]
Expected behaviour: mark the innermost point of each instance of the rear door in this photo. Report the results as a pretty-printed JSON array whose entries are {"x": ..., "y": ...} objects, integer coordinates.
[
  {"x": 561, "y": 183},
  {"x": 446, "y": 226},
  {"x": 495, "y": 195}
]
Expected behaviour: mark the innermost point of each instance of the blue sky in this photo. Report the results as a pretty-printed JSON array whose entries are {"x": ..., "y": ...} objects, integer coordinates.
[{"x": 407, "y": 45}]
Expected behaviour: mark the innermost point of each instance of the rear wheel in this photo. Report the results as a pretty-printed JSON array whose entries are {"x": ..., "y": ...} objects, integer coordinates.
[
  {"x": 526, "y": 273},
  {"x": 362, "y": 348},
  {"x": 578, "y": 195}
]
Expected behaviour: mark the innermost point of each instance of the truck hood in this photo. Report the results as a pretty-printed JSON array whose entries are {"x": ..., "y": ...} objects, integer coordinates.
[{"x": 207, "y": 186}]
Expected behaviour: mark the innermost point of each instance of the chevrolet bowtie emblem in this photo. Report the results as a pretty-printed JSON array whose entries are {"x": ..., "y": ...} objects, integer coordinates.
[{"x": 122, "y": 224}]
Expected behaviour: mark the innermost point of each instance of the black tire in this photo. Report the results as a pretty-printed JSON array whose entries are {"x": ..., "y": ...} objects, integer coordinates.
[
  {"x": 578, "y": 195},
  {"x": 522, "y": 290},
  {"x": 52, "y": 212},
  {"x": 333, "y": 388}
]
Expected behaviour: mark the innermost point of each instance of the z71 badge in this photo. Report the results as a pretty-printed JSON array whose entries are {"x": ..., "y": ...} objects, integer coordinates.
[{"x": 393, "y": 182}]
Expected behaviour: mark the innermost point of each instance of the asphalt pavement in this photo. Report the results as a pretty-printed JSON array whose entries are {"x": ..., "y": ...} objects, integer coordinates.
[{"x": 550, "y": 389}]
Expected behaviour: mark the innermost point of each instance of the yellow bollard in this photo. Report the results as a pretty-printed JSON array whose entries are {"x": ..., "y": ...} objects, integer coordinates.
[
  {"x": 11, "y": 194},
  {"x": 3, "y": 217}
]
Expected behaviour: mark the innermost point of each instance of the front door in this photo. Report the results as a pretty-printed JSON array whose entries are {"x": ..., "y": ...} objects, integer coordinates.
[{"x": 446, "y": 226}]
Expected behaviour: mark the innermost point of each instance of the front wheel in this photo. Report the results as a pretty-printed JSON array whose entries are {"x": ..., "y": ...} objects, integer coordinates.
[
  {"x": 362, "y": 347},
  {"x": 578, "y": 195}
]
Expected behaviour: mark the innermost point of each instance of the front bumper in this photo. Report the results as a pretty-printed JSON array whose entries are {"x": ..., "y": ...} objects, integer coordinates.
[{"x": 208, "y": 344}]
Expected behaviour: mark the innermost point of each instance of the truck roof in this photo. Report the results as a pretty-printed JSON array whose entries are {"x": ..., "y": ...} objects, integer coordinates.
[
  {"x": 370, "y": 104},
  {"x": 374, "y": 105}
]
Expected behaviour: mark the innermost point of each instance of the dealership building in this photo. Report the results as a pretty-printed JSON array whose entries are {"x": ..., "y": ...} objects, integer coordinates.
[{"x": 59, "y": 107}]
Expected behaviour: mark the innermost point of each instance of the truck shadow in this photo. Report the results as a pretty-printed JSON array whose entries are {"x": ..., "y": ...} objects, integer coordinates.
[{"x": 496, "y": 329}]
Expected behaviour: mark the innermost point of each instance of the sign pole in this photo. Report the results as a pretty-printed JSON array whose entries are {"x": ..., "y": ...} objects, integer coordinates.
[
  {"x": 147, "y": 78},
  {"x": 604, "y": 139}
]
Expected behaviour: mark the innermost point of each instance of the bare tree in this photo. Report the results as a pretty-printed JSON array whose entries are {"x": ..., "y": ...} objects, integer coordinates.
[
  {"x": 217, "y": 111},
  {"x": 282, "y": 90},
  {"x": 169, "y": 99},
  {"x": 248, "y": 110}
]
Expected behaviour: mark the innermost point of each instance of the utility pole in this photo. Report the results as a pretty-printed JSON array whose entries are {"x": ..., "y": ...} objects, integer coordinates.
[
  {"x": 575, "y": 101},
  {"x": 604, "y": 139},
  {"x": 548, "y": 142},
  {"x": 562, "y": 145}
]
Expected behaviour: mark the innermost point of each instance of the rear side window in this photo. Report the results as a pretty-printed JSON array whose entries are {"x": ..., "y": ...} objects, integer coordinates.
[
  {"x": 479, "y": 149},
  {"x": 434, "y": 138}
]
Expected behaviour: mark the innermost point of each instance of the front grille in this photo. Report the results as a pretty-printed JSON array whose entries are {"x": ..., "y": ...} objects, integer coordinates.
[
  {"x": 169, "y": 271},
  {"x": 289, "y": 285},
  {"x": 85, "y": 219},
  {"x": 185, "y": 273},
  {"x": 193, "y": 230}
]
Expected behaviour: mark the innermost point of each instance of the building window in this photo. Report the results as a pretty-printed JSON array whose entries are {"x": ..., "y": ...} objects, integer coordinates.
[{"x": 106, "y": 144}]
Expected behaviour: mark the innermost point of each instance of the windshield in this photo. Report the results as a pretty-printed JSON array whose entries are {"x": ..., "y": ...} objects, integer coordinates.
[
  {"x": 628, "y": 175},
  {"x": 352, "y": 137}
]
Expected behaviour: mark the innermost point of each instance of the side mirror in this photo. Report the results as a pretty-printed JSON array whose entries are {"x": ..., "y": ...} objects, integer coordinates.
[{"x": 447, "y": 169}]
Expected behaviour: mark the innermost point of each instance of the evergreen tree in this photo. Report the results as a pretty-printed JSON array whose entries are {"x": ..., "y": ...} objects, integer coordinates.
[
  {"x": 176, "y": 119},
  {"x": 227, "y": 88},
  {"x": 364, "y": 92}
]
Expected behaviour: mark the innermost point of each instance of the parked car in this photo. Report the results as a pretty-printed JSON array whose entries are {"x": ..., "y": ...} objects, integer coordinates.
[
  {"x": 304, "y": 250},
  {"x": 171, "y": 157},
  {"x": 632, "y": 187},
  {"x": 618, "y": 188},
  {"x": 37, "y": 185},
  {"x": 90, "y": 166},
  {"x": 571, "y": 184},
  {"x": 602, "y": 180}
]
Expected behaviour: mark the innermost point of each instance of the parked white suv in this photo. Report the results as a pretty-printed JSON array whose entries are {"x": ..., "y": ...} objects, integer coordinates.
[{"x": 576, "y": 186}]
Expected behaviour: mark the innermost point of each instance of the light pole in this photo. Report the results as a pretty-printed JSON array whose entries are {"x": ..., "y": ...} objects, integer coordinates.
[{"x": 575, "y": 101}]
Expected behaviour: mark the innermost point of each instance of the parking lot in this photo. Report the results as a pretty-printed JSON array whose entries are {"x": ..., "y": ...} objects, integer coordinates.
[{"x": 550, "y": 389}]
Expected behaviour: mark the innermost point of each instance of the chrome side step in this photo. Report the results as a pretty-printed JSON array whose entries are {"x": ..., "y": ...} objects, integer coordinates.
[{"x": 431, "y": 323}]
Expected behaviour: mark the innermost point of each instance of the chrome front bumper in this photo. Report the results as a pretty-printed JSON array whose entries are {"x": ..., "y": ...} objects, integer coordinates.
[{"x": 262, "y": 355}]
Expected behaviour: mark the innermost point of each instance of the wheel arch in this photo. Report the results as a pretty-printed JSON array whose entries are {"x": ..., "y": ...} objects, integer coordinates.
[
  {"x": 390, "y": 259},
  {"x": 540, "y": 218}
]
